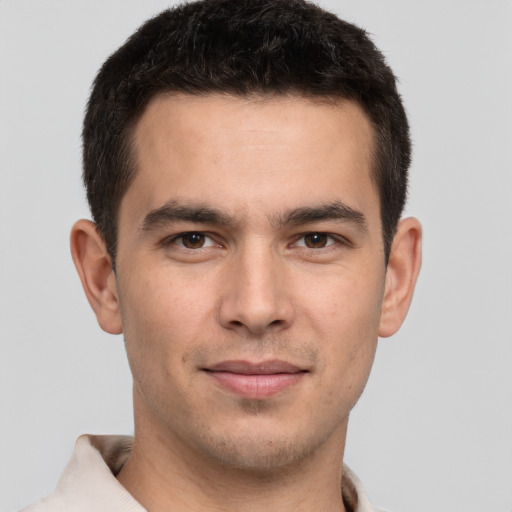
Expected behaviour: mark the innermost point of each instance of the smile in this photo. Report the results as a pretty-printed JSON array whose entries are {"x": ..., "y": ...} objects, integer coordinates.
[{"x": 255, "y": 380}]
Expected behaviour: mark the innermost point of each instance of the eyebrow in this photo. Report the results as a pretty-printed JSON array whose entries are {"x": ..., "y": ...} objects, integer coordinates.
[
  {"x": 336, "y": 210},
  {"x": 173, "y": 211}
]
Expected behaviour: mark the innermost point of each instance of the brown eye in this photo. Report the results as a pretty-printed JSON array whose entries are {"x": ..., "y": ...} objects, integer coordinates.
[
  {"x": 193, "y": 240},
  {"x": 316, "y": 240}
]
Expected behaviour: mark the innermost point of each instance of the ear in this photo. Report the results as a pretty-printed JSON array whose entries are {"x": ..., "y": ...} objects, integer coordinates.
[
  {"x": 94, "y": 267},
  {"x": 401, "y": 275}
]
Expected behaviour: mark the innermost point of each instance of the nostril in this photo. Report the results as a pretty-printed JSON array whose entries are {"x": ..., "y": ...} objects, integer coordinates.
[{"x": 275, "y": 323}]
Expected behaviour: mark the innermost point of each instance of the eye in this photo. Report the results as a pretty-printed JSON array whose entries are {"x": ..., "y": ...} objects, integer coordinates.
[
  {"x": 193, "y": 240},
  {"x": 315, "y": 240}
]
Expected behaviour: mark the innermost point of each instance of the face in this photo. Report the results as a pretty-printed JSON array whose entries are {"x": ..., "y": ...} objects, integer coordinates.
[{"x": 250, "y": 274}]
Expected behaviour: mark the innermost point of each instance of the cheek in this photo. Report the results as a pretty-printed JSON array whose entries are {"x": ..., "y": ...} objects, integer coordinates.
[
  {"x": 164, "y": 302},
  {"x": 157, "y": 334},
  {"x": 343, "y": 306},
  {"x": 344, "y": 318},
  {"x": 162, "y": 319}
]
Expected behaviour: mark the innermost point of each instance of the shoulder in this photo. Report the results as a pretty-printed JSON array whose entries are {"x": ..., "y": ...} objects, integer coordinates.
[
  {"x": 88, "y": 483},
  {"x": 354, "y": 494}
]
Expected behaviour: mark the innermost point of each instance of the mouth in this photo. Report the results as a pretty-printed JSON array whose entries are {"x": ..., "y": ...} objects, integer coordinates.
[{"x": 255, "y": 380}]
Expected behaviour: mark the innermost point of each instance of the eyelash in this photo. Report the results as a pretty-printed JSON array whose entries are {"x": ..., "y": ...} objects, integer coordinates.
[
  {"x": 174, "y": 240},
  {"x": 331, "y": 240}
]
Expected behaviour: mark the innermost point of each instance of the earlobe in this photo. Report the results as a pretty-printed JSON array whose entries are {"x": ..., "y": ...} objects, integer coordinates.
[
  {"x": 94, "y": 267},
  {"x": 401, "y": 275}
]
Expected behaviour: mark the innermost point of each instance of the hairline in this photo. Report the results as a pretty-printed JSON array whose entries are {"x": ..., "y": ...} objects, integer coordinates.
[{"x": 128, "y": 153}]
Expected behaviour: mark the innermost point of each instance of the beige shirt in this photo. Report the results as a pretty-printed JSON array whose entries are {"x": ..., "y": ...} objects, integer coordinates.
[{"x": 88, "y": 483}]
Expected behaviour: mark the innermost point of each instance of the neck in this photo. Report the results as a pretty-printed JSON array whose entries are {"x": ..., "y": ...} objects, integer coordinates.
[{"x": 164, "y": 473}]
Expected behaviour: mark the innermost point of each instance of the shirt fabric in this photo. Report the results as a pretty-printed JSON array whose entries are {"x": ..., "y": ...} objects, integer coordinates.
[{"x": 89, "y": 484}]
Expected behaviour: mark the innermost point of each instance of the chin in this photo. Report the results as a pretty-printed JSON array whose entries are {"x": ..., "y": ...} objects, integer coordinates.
[{"x": 258, "y": 451}]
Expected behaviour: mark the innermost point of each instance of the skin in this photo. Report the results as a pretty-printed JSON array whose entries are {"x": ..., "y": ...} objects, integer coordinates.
[{"x": 289, "y": 266}]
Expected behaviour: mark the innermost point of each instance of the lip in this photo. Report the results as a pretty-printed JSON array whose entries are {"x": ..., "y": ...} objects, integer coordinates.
[{"x": 255, "y": 380}]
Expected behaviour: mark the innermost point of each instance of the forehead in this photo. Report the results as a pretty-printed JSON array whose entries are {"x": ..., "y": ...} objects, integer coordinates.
[{"x": 245, "y": 153}]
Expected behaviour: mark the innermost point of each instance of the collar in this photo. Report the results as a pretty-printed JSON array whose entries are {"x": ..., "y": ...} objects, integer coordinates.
[{"x": 89, "y": 482}]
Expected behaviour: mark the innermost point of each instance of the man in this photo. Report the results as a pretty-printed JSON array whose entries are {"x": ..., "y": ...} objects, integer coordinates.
[{"x": 246, "y": 168}]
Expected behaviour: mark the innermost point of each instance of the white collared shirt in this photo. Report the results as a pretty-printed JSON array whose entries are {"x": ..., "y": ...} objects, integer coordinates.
[{"x": 88, "y": 483}]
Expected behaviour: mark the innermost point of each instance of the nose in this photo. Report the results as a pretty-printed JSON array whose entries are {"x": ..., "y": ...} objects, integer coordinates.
[{"x": 256, "y": 299}]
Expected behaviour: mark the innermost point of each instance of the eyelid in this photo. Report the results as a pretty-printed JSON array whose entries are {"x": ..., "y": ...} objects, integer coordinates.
[
  {"x": 211, "y": 240},
  {"x": 330, "y": 240},
  {"x": 173, "y": 240},
  {"x": 335, "y": 239}
]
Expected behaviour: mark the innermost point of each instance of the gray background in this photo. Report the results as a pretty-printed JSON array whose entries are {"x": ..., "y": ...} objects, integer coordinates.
[{"x": 433, "y": 430}]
